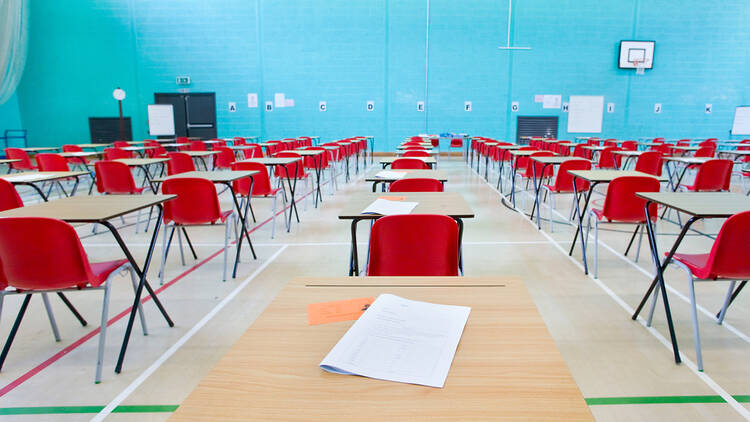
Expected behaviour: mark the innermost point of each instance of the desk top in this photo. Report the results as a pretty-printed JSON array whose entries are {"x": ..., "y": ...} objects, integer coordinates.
[
  {"x": 701, "y": 204},
  {"x": 686, "y": 147},
  {"x": 84, "y": 209},
  {"x": 40, "y": 176},
  {"x": 628, "y": 153},
  {"x": 734, "y": 152},
  {"x": 200, "y": 153},
  {"x": 40, "y": 149},
  {"x": 567, "y": 144},
  {"x": 137, "y": 148},
  {"x": 241, "y": 146},
  {"x": 75, "y": 154},
  {"x": 444, "y": 203},
  {"x": 689, "y": 160},
  {"x": 524, "y": 153},
  {"x": 93, "y": 145},
  {"x": 606, "y": 176},
  {"x": 555, "y": 159},
  {"x": 219, "y": 176},
  {"x": 506, "y": 363},
  {"x": 136, "y": 162},
  {"x": 508, "y": 147},
  {"x": 9, "y": 160},
  {"x": 389, "y": 160},
  {"x": 594, "y": 147},
  {"x": 272, "y": 161},
  {"x": 308, "y": 152},
  {"x": 410, "y": 174}
]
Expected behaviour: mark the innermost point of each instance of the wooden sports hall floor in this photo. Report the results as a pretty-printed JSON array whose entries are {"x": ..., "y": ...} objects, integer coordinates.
[{"x": 624, "y": 370}]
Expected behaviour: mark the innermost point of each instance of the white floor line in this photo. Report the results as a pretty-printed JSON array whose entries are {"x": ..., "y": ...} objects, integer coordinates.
[
  {"x": 207, "y": 244},
  {"x": 745, "y": 413},
  {"x": 187, "y": 336}
]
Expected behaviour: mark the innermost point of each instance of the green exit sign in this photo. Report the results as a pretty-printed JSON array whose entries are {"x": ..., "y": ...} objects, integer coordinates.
[{"x": 183, "y": 80}]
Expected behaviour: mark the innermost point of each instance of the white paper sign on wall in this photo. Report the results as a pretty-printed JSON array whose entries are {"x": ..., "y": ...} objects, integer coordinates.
[
  {"x": 232, "y": 107},
  {"x": 252, "y": 100},
  {"x": 420, "y": 105},
  {"x": 269, "y": 105},
  {"x": 709, "y": 108},
  {"x": 657, "y": 108},
  {"x": 467, "y": 105},
  {"x": 610, "y": 107},
  {"x": 370, "y": 106},
  {"x": 514, "y": 106},
  {"x": 322, "y": 106},
  {"x": 565, "y": 107}
]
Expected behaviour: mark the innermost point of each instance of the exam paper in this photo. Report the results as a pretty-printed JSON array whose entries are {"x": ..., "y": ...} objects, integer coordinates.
[
  {"x": 400, "y": 340},
  {"x": 386, "y": 207},
  {"x": 387, "y": 174}
]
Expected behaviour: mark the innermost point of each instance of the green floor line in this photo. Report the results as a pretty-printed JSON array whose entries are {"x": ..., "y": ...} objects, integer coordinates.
[
  {"x": 599, "y": 401},
  {"x": 52, "y": 410}
]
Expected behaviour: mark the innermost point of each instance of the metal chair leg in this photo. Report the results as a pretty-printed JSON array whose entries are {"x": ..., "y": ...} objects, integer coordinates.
[
  {"x": 727, "y": 300},
  {"x": 102, "y": 333},
  {"x": 51, "y": 316},
  {"x": 14, "y": 329},
  {"x": 134, "y": 282}
]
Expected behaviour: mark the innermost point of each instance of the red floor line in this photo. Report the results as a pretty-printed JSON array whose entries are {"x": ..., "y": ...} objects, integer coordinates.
[{"x": 59, "y": 355}]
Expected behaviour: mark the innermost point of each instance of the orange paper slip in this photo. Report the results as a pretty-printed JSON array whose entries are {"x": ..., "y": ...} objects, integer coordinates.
[
  {"x": 340, "y": 310},
  {"x": 392, "y": 198}
]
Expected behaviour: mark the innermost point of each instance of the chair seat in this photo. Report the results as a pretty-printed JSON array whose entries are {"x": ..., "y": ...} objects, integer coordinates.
[
  {"x": 222, "y": 218},
  {"x": 102, "y": 270},
  {"x": 555, "y": 189},
  {"x": 272, "y": 192},
  {"x": 697, "y": 264},
  {"x": 599, "y": 213}
]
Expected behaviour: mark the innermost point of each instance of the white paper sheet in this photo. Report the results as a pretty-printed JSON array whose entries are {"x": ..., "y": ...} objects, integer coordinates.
[
  {"x": 388, "y": 207},
  {"x": 279, "y": 100},
  {"x": 400, "y": 340},
  {"x": 252, "y": 100},
  {"x": 387, "y": 174},
  {"x": 552, "y": 101},
  {"x": 22, "y": 177}
]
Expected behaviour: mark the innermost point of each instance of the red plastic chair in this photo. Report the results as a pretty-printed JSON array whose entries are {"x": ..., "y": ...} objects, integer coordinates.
[
  {"x": 608, "y": 160},
  {"x": 414, "y": 245},
  {"x": 157, "y": 151},
  {"x": 255, "y": 152},
  {"x": 55, "y": 162},
  {"x": 415, "y": 153},
  {"x": 121, "y": 144},
  {"x": 19, "y": 154},
  {"x": 179, "y": 162},
  {"x": 224, "y": 158},
  {"x": 610, "y": 142},
  {"x": 116, "y": 153},
  {"x": 629, "y": 146},
  {"x": 727, "y": 260},
  {"x": 115, "y": 178},
  {"x": 650, "y": 162},
  {"x": 9, "y": 197},
  {"x": 196, "y": 204},
  {"x": 564, "y": 185},
  {"x": 59, "y": 263},
  {"x": 705, "y": 151},
  {"x": 457, "y": 143},
  {"x": 417, "y": 184},
  {"x": 75, "y": 160},
  {"x": 409, "y": 164},
  {"x": 664, "y": 149},
  {"x": 578, "y": 151},
  {"x": 621, "y": 205},
  {"x": 218, "y": 143},
  {"x": 261, "y": 189},
  {"x": 198, "y": 146},
  {"x": 294, "y": 170},
  {"x": 712, "y": 176}
]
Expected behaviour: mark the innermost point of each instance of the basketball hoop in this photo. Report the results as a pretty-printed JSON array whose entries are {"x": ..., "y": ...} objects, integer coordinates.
[{"x": 640, "y": 67}]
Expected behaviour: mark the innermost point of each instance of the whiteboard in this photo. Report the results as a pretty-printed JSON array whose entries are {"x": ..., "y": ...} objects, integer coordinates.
[
  {"x": 160, "y": 120},
  {"x": 741, "y": 124},
  {"x": 585, "y": 113}
]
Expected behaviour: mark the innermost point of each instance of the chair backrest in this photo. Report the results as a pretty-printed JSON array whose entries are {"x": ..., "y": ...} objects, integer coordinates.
[
  {"x": 156, "y": 151},
  {"x": 19, "y": 154},
  {"x": 728, "y": 256},
  {"x": 120, "y": 144},
  {"x": 564, "y": 180},
  {"x": 629, "y": 146},
  {"x": 664, "y": 149},
  {"x": 198, "y": 146},
  {"x": 71, "y": 148},
  {"x": 713, "y": 176},
  {"x": 539, "y": 166},
  {"x": 578, "y": 151},
  {"x": 650, "y": 162},
  {"x": 115, "y": 153},
  {"x": 457, "y": 143},
  {"x": 683, "y": 142},
  {"x": 607, "y": 160},
  {"x": 179, "y": 162},
  {"x": 9, "y": 197},
  {"x": 224, "y": 158},
  {"x": 521, "y": 161},
  {"x": 255, "y": 152},
  {"x": 261, "y": 181},
  {"x": 58, "y": 261},
  {"x": 417, "y": 184},
  {"x": 658, "y": 140},
  {"x": 416, "y": 153},
  {"x": 711, "y": 142},
  {"x": 705, "y": 151},
  {"x": 315, "y": 161},
  {"x": 610, "y": 142},
  {"x": 409, "y": 164},
  {"x": 238, "y": 140},
  {"x": 414, "y": 245},
  {"x": 621, "y": 203},
  {"x": 218, "y": 143},
  {"x": 51, "y": 162},
  {"x": 299, "y": 166},
  {"x": 114, "y": 177},
  {"x": 416, "y": 138},
  {"x": 196, "y": 202}
]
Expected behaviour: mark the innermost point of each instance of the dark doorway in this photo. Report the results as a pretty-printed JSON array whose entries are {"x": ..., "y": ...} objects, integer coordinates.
[
  {"x": 194, "y": 113},
  {"x": 545, "y": 126}
]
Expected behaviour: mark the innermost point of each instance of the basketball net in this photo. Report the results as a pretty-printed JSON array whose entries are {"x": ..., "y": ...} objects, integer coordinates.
[{"x": 640, "y": 67}]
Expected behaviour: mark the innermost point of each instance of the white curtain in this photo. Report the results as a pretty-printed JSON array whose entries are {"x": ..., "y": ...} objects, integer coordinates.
[{"x": 13, "y": 28}]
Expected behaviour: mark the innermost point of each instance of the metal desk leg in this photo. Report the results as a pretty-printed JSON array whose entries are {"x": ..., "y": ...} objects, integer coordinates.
[
  {"x": 353, "y": 258},
  {"x": 460, "y": 223},
  {"x": 243, "y": 223},
  {"x": 580, "y": 213},
  {"x": 141, "y": 284},
  {"x": 36, "y": 188}
]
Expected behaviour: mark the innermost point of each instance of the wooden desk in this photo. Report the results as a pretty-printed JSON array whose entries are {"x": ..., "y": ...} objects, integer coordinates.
[
  {"x": 30, "y": 178},
  {"x": 35, "y": 150},
  {"x": 92, "y": 146},
  {"x": 100, "y": 210},
  {"x": 143, "y": 164},
  {"x": 283, "y": 162},
  {"x": 546, "y": 161},
  {"x": 506, "y": 363},
  {"x": 387, "y": 161},
  {"x": 698, "y": 205},
  {"x": 317, "y": 158},
  {"x": 201, "y": 155},
  {"x": 687, "y": 162},
  {"x": 595, "y": 177},
  {"x": 629, "y": 156},
  {"x": 225, "y": 177},
  {"x": 410, "y": 174},
  {"x": 451, "y": 204}
]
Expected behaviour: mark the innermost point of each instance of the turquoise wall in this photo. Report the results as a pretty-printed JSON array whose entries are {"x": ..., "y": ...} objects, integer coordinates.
[
  {"x": 10, "y": 116},
  {"x": 346, "y": 52}
]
